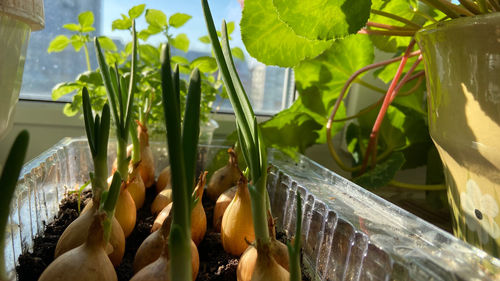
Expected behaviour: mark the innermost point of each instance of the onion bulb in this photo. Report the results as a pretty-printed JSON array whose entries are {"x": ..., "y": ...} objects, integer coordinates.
[
  {"x": 154, "y": 250},
  {"x": 237, "y": 223},
  {"x": 147, "y": 165},
  {"x": 260, "y": 265},
  {"x": 76, "y": 234},
  {"x": 87, "y": 262},
  {"x": 164, "y": 180},
  {"x": 221, "y": 206},
  {"x": 125, "y": 211},
  {"x": 151, "y": 248},
  {"x": 277, "y": 250},
  {"x": 224, "y": 178},
  {"x": 161, "y": 200},
  {"x": 135, "y": 186},
  {"x": 159, "y": 270},
  {"x": 198, "y": 216}
]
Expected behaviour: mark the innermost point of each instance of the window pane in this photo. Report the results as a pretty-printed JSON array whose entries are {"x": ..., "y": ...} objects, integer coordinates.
[{"x": 270, "y": 88}]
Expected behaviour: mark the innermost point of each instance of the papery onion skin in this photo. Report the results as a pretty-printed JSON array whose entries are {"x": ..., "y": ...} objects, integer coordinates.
[
  {"x": 149, "y": 251},
  {"x": 251, "y": 268},
  {"x": 198, "y": 216},
  {"x": 164, "y": 179},
  {"x": 136, "y": 188},
  {"x": 76, "y": 234},
  {"x": 88, "y": 262},
  {"x": 161, "y": 200},
  {"x": 224, "y": 178},
  {"x": 147, "y": 165},
  {"x": 221, "y": 205},
  {"x": 237, "y": 223},
  {"x": 125, "y": 211},
  {"x": 159, "y": 269}
]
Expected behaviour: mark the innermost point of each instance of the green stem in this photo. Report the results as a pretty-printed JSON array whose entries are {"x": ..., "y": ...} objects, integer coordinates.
[
  {"x": 417, "y": 186},
  {"x": 440, "y": 5},
  {"x": 8, "y": 183},
  {"x": 259, "y": 210},
  {"x": 136, "y": 146},
  {"x": 121, "y": 155},
  {"x": 387, "y": 32},
  {"x": 395, "y": 17},
  {"x": 369, "y": 86},
  {"x": 108, "y": 206},
  {"x": 181, "y": 230},
  {"x": 471, "y": 6},
  {"x": 294, "y": 250},
  {"x": 483, "y": 6},
  {"x": 87, "y": 58}
]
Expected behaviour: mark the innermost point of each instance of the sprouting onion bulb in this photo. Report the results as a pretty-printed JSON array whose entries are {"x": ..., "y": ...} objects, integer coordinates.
[
  {"x": 152, "y": 247},
  {"x": 237, "y": 228},
  {"x": 88, "y": 262},
  {"x": 159, "y": 270},
  {"x": 77, "y": 232},
  {"x": 135, "y": 186},
  {"x": 221, "y": 206},
  {"x": 164, "y": 180},
  {"x": 151, "y": 260},
  {"x": 260, "y": 267},
  {"x": 198, "y": 216},
  {"x": 277, "y": 250},
  {"x": 224, "y": 178}
]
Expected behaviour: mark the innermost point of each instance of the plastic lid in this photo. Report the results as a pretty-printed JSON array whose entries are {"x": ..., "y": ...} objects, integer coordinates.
[{"x": 28, "y": 11}]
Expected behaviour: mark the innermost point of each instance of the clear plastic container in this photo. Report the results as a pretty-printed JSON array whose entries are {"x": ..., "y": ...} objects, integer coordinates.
[{"x": 348, "y": 233}]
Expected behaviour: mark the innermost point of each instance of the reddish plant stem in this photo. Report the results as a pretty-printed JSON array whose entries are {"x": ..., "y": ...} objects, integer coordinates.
[
  {"x": 389, "y": 27},
  {"x": 409, "y": 33},
  {"x": 341, "y": 97},
  {"x": 406, "y": 78},
  {"x": 371, "y": 149}
]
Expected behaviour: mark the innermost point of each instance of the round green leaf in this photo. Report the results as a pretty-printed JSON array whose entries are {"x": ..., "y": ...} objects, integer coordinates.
[
  {"x": 107, "y": 44},
  {"x": 179, "y": 60},
  {"x": 238, "y": 53},
  {"x": 77, "y": 42},
  {"x": 72, "y": 27},
  {"x": 178, "y": 19},
  {"x": 136, "y": 11},
  {"x": 156, "y": 18},
  {"x": 122, "y": 24},
  {"x": 88, "y": 29},
  {"x": 180, "y": 42},
  {"x": 323, "y": 19},
  {"x": 230, "y": 27},
  {"x": 205, "y": 64},
  {"x": 58, "y": 44},
  {"x": 204, "y": 39},
  {"x": 86, "y": 18},
  {"x": 63, "y": 89},
  {"x": 271, "y": 41},
  {"x": 149, "y": 54}
]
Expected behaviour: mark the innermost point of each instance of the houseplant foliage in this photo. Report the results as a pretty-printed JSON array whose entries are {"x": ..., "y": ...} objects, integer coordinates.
[
  {"x": 392, "y": 133},
  {"x": 335, "y": 53},
  {"x": 148, "y": 98}
]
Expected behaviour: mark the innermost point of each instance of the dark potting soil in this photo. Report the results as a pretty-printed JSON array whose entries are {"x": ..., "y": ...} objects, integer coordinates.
[{"x": 215, "y": 264}]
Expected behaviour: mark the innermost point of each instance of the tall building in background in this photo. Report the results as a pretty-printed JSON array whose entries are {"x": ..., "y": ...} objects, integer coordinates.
[{"x": 46, "y": 70}]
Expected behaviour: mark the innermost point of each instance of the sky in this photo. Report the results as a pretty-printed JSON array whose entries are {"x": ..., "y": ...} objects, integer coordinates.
[{"x": 230, "y": 10}]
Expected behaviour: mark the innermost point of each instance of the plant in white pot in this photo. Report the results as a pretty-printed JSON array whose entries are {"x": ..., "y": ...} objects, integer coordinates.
[
  {"x": 331, "y": 45},
  {"x": 17, "y": 20}
]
